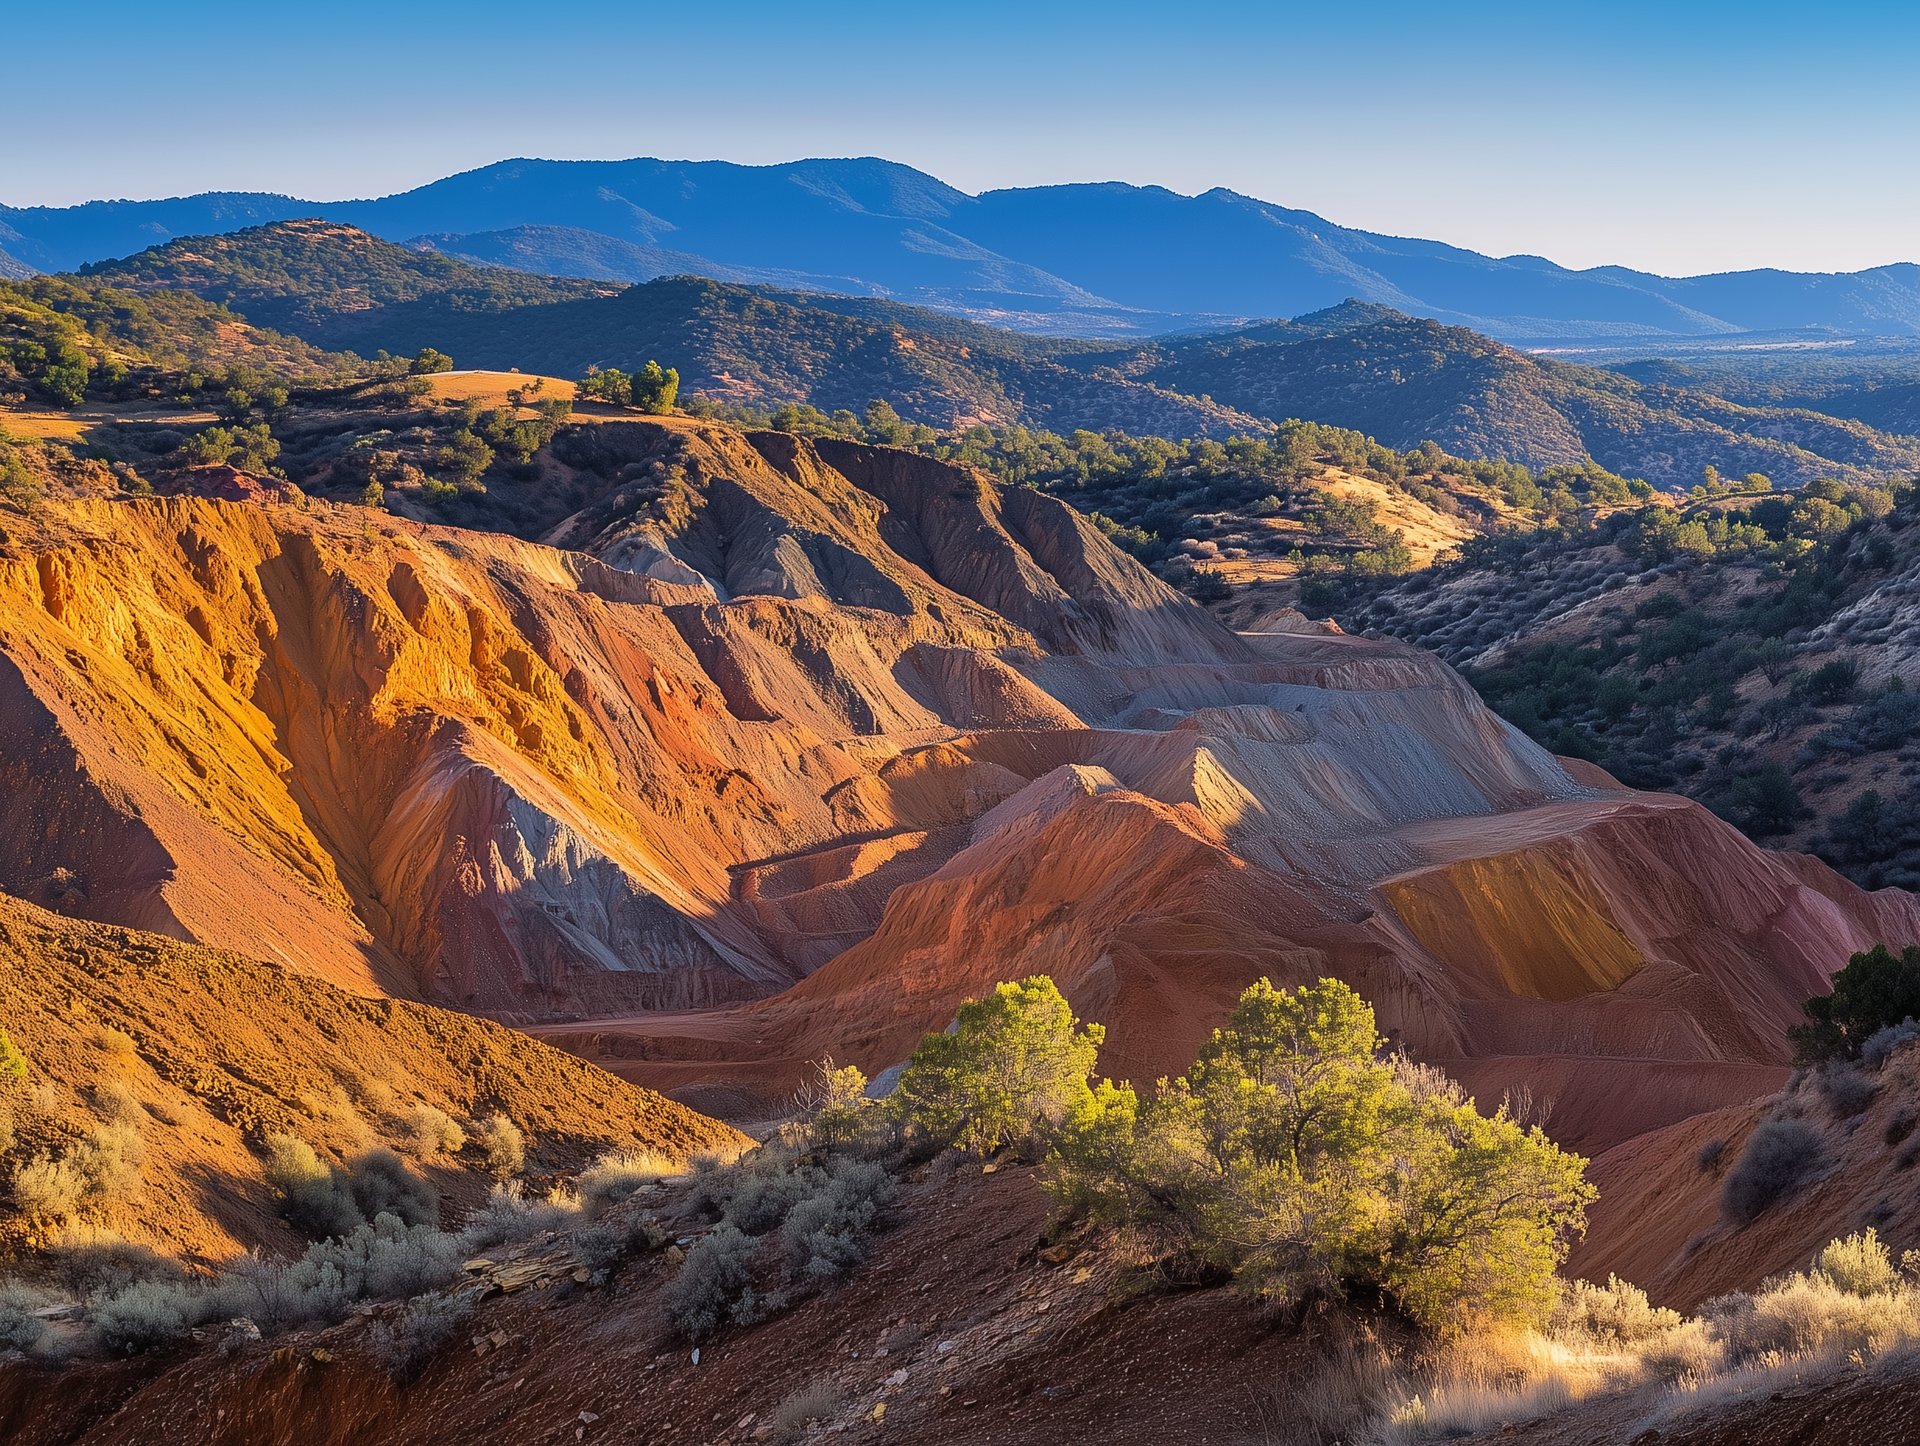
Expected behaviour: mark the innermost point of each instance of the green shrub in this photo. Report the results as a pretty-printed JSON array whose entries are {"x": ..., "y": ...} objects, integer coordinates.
[
  {"x": 465, "y": 454},
  {"x": 428, "y": 361},
  {"x": 1012, "y": 1065},
  {"x": 1878, "y": 988},
  {"x": 13, "y": 1064},
  {"x": 654, "y": 390},
  {"x": 1294, "y": 1156}
]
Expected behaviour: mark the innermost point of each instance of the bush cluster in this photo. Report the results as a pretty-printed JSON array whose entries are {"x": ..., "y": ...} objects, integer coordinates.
[
  {"x": 326, "y": 1200},
  {"x": 1294, "y": 1156},
  {"x": 786, "y": 1227},
  {"x": 1877, "y": 990}
]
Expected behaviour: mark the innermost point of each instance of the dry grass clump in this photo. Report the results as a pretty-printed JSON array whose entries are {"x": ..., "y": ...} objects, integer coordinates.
[
  {"x": 426, "y": 1132},
  {"x": 503, "y": 1144},
  {"x": 1851, "y": 1309},
  {"x": 118, "y": 1046},
  {"x": 817, "y": 1403},
  {"x": 618, "y": 1174},
  {"x": 117, "y": 1104}
]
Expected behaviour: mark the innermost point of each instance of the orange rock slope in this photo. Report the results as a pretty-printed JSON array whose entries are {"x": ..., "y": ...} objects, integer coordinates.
[{"x": 778, "y": 748}]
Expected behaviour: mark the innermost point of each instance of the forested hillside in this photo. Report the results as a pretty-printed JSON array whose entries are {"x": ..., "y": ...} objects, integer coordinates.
[{"x": 1405, "y": 380}]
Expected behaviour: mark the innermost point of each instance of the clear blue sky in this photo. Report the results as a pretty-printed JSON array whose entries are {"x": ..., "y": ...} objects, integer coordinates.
[{"x": 1674, "y": 138}]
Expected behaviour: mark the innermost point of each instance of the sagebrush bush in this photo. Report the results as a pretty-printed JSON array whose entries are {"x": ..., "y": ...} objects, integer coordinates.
[
  {"x": 426, "y": 1132},
  {"x": 389, "y": 1259},
  {"x": 1845, "y": 1089},
  {"x": 715, "y": 1285},
  {"x": 598, "y": 1246},
  {"x": 1779, "y": 1156},
  {"x": 116, "y": 1044},
  {"x": 383, "y": 1185},
  {"x": 278, "y": 1295},
  {"x": 148, "y": 1314},
  {"x": 47, "y": 1188},
  {"x": 503, "y": 1144},
  {"x": 20, "y": 1328},
  {"x": 91, "y": 1262},
  {"x": 1859, "y": 1265},
  {"x": 1882, "y": 1043},
  {"x": 428, "y": 1322},
  {"x": 618, "y": 1174},
  {"x": 319, "y": 1197},
  {"x": 1616, "y": 1311},
  {"x": 825, "y": 1232},
  {"x": 386, "y": 1260},
  {"x": 1709, "y": 1155},
  {"x": 103, "y": 1167},
  {"x": 509, "y": 1215}
]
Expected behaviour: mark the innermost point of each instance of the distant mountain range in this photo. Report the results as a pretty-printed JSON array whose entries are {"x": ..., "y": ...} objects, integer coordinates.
[
  {"x": 1402, "y": 379},
  {"x": 1088, "y": 260}
]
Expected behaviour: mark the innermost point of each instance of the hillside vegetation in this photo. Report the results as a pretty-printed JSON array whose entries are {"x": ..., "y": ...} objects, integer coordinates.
[
  {"x": 1406, "y": 380},
  {"x": 1750, "y": 649}
]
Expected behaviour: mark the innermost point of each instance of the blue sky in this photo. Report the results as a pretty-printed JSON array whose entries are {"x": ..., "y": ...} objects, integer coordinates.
[{"x": 1673, "y": 138}]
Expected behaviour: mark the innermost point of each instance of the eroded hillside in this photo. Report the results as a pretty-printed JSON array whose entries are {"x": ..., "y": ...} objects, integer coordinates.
[
  {"x": 201, "y": 1054},
  {"x": 854, "y": 733}
]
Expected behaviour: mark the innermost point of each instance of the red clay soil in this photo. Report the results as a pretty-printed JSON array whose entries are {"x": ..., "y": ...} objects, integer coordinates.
[
  {"x": 210, "y": 1052},
  {"x": 1660, "y": 1223},
  {"x": 1042, "y": 1353},
  {"x": 783, "y": 750},
  {"x": 1852, "y": 1411}
]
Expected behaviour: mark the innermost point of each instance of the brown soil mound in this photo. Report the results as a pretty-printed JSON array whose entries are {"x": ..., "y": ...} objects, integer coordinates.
[
  {"x": 1661, "y": 1222},
  {"x": 1039, "y": 1352},
  {"x": 211, "y": 1051}
]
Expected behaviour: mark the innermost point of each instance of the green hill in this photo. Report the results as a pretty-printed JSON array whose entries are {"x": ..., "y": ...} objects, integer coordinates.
[
  {"x": 747, "y": 346},
  {"x": 1405, "y": 380}
]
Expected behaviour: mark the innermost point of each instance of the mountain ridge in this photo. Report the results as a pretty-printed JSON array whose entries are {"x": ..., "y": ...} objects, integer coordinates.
[{"x": 869, "y": 225}]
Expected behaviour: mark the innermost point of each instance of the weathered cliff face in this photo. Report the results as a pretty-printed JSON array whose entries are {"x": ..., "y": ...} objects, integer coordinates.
[{"x": 854, "y": 734}]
